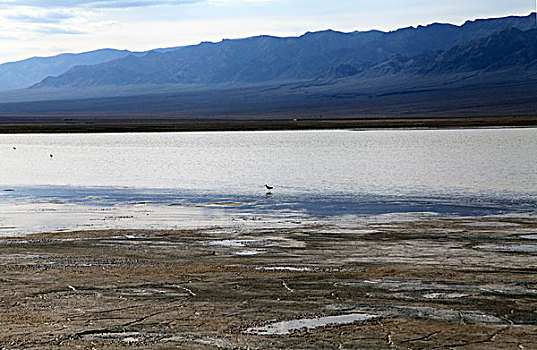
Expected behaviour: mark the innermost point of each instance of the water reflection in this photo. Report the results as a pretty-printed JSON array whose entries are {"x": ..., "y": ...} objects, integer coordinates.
[
  {"x": 321, "y": 162},
  {"x": 52, "y": 208},
  {"x": 177, "y": 180}
]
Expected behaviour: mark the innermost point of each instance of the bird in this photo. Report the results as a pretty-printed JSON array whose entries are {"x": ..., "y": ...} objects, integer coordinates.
[
  {"x": 51, "y": 155},
  {"x": 14, "y": 147},
  {"x": 269, "y": 188}
]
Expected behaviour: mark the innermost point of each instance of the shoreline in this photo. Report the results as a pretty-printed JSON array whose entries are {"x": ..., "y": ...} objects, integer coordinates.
[
  {"x": 53, "y": 208},
  {"x": 185, "y": 125}
]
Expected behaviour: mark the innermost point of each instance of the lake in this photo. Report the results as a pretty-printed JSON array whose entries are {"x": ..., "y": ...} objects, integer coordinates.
[{"x": 170, "y": 180}]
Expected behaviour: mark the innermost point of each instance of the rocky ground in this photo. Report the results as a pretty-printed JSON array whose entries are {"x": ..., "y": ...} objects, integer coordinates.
[{"x": 428, "y": 284}]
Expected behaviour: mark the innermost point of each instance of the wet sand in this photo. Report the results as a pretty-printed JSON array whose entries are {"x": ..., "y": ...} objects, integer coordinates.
[{"x": 433, "y": 283}]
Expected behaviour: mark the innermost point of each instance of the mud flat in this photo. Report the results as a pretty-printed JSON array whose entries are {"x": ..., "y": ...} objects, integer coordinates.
[{"x": 433, "y": 283}]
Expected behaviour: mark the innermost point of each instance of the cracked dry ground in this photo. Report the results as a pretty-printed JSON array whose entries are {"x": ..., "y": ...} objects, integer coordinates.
[{"x": 431, "y": 284}]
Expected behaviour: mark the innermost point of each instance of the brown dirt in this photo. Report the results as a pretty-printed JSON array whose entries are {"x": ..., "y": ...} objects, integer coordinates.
[{"x": 434, "y": 284}]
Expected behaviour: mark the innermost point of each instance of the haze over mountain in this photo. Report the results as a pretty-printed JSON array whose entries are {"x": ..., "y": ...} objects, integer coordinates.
[{"x": 482, "y": 68}]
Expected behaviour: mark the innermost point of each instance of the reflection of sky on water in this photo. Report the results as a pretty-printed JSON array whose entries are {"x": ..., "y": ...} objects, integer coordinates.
[
  {"x": 52, "y": 208},
  {"x": 192, "y": 180},
  {"x": 388, "y": 162}
]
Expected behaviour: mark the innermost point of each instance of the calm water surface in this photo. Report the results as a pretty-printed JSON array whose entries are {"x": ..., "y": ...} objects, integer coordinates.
[{"x": 315, "y": 173}]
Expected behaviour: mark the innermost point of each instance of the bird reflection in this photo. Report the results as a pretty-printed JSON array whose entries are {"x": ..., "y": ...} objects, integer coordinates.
[{"x": 269, "y": 191}]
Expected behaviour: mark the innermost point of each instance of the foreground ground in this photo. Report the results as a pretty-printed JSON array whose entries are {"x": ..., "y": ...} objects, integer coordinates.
[{"x": 427, "y": 284}]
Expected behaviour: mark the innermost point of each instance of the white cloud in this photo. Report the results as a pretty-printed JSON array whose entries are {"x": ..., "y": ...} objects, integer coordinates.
[
  {"x": 120, "y": 4},
  {"x": 44, "y": 17}
]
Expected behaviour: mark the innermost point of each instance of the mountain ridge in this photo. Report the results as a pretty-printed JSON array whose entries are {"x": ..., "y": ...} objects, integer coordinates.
[
  {"x": 421, "y": 72},
  {"x": 22, "y": 74},
  {"x": 263, "y": 59},
  {"x": 509, "y": 48}
]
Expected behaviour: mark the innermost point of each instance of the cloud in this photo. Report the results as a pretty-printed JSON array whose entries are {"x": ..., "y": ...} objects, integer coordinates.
[
  {"x": 138, "y": 3},
  {"x": 29, "y": 23},
  {"x": 43, "y": 17},
  {"x": 102, "y": 4},
  {"x": 57, "y": 30}
]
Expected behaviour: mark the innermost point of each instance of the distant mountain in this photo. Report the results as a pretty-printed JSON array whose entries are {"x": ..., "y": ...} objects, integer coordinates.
[
  {"x": 484, "y": 68},
  {"x": 267, "y": 59},
  {"x": 22, "y": 74},
  {"x": 507, "y": 49}
]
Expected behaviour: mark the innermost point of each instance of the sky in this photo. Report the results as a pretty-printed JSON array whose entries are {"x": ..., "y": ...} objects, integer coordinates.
[{"x": 48, "y": 27}]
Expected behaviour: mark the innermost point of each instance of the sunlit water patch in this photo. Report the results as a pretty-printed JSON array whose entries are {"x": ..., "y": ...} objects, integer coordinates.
[
  {"x": 529, "y": 236},
  {"x": 285, "y": 268},
  {"x": 492, "y": 224},
  {"x": 234, "y": 242},
  {"x": 286, "y": 327},
  {"x": 445, "y": 295},
  {"x": 523, "y": 248}
]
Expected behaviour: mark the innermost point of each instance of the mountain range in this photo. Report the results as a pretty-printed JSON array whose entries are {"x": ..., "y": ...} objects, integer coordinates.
[
  {"x": 318, "y": 73},
  {"x": 269, "y": 59},
  {"x": 23, "y": 74},
  {"x": 507, "y": 49}
]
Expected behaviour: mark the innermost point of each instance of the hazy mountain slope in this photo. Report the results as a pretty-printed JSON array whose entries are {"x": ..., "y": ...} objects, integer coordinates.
[
  {"x": 508, "y": 49},
  {"x": 318, "y": 75},
  {"x": 488, "y": 95},
  {"x": 484, "y": 27},
  {"x": 489, "y": 77},
  {"x": 269, "y": 59},
  {"x": 22, "y": 74}
]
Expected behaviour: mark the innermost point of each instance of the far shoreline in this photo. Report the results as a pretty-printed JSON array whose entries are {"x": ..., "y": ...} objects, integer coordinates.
[{"x": 84, "y": 125}]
